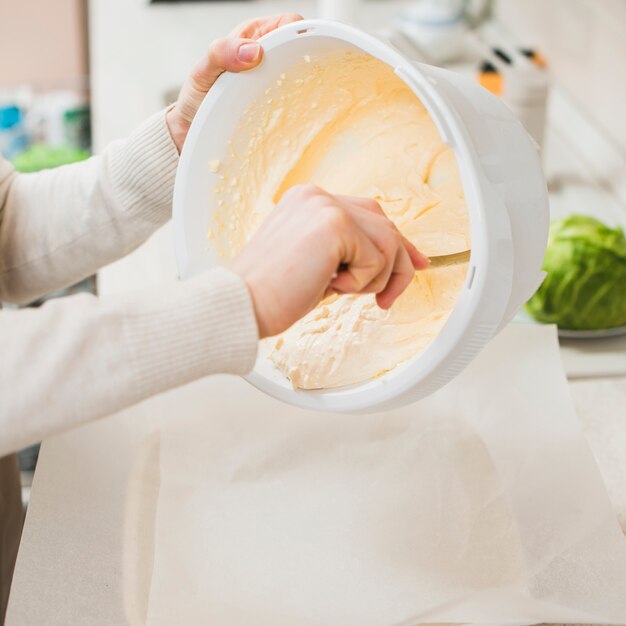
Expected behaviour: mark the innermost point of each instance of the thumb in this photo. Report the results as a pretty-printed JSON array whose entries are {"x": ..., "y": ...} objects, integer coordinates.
[{"x": 224, "y": 55}]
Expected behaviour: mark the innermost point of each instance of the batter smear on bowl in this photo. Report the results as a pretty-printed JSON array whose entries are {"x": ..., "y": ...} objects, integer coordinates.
[{"x": 347, "y": 123}]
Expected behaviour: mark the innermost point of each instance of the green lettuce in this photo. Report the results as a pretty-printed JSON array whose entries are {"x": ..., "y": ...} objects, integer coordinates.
[{"x": 585, "y": 288}]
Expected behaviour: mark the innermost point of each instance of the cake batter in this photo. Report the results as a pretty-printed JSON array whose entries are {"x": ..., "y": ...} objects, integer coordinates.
[{"x": 347, "y": 123}]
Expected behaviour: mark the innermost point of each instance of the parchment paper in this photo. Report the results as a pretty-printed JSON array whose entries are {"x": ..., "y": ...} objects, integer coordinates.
[{"x": 480, "y": 504}]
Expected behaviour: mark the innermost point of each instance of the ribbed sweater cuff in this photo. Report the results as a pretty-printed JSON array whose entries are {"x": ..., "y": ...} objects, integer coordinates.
[
  {"x": 143, "y": 170},
  {"x": 202, "y": 326}
]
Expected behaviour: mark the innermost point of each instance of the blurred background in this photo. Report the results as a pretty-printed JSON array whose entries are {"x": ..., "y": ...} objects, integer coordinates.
[
  {"x": 78, "y": 74},
  {"x": 124, "y": 57}
]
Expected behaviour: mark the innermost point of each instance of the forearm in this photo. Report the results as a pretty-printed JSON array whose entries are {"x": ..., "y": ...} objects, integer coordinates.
[
  {"x": 58, "y": 226},
  {"x": 81, "y": 358}
]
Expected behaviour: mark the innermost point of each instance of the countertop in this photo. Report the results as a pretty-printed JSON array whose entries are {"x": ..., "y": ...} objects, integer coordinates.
[{"x": 71, "y": 567}]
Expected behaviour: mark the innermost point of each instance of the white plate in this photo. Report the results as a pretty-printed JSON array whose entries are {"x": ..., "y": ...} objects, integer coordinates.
[{"x": 603, "y": 333}]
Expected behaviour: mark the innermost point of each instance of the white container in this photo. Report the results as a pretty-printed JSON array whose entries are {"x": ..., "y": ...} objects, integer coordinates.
[
  {"x": 504, "y": 188},
  {"x": 436, "y": 27},
  {"x": 339, "y": 10},
  {"x": 526, "y": 93}
]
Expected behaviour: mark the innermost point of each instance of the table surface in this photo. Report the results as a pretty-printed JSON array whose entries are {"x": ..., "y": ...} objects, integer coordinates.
[{"x": 72, "y": 567}]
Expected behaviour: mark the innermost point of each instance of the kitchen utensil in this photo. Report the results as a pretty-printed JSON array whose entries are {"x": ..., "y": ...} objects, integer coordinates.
[{"x": 446, "y": 260}]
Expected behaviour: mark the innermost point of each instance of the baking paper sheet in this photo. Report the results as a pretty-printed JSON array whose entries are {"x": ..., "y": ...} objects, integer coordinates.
[{"x": 480, "y": 504}]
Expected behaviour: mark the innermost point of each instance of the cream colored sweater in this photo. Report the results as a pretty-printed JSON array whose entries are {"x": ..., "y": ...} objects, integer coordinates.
[{"x": 80, "y": 358}]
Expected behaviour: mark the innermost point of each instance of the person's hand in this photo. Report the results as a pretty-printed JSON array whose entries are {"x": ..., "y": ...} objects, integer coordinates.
[
  {"x": 236, "y": 53},
  {"x": 315, "y": 244}
]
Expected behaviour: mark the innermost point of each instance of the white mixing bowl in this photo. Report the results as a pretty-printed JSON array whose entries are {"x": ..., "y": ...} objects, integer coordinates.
[{"x": 502, "y": 179}]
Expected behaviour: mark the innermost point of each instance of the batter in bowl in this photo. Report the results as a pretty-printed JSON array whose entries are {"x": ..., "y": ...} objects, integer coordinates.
[{"x": 347, "y": 123}]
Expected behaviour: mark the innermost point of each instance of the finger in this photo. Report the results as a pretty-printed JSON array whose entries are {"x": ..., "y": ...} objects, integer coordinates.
[
  {"x": 382, "y": 231},
  {"x": 257, "y": 27},
  {"x": 400, "y": 279},
  {"x": 364, "y": 261},
  {"x": 390, "y": 250},
  {"x": 381, "y": 281},
  {"x": 420, "y": 261},
  {"x": 233, "y": 55},
  {"x": 227, "y": 55},
  {"x": 363, "y": 203}
]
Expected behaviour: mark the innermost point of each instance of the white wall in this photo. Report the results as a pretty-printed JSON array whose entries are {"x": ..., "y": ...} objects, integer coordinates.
[
  {"x": 585, "y": 43},
  {"x": 139, "y": 51}
]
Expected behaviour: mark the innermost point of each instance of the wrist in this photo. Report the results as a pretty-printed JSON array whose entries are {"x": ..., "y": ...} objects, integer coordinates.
[
  {"x": 177, "y": 127},
  {"x": 261, "y": 326}
]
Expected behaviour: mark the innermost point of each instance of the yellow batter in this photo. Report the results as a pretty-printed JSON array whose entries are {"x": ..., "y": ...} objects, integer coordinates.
[{"x": 349, "y": 125}]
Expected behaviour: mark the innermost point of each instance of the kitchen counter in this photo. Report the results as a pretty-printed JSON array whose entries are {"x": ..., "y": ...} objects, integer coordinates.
[{"x": 71, "y": 567}]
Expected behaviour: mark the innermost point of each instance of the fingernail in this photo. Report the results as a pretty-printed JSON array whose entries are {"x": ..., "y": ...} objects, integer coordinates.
[{"x": 249, "y": 52}]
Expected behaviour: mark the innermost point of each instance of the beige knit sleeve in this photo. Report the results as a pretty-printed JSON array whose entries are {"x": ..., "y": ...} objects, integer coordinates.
[
  {"x": 77, "y": 359},
  {"x": 80, "y": 358},
  {"x": 61, "y": 225}
]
